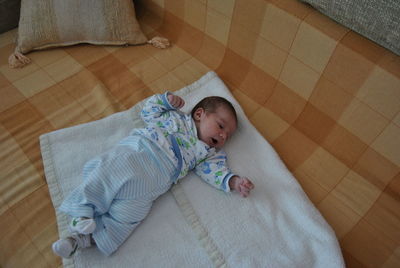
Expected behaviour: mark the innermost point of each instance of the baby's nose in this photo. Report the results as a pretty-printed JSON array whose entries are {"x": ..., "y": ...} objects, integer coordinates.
[{"x": 223, "y": 135}]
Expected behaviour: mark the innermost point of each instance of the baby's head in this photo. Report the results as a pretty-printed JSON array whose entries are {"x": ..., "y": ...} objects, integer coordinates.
[{"x": 215, "y": 120}]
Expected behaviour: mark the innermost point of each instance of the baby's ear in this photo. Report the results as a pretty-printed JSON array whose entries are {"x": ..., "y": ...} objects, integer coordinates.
[{"x": 198, "y": 113}]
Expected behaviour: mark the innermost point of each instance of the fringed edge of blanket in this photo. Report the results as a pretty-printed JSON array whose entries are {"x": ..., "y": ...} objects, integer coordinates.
[
  {"x": 194, "y": 222},
  {"x": 55, "y": 192}
]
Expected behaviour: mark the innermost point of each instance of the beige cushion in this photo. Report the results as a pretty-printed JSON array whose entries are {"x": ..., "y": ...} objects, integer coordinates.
[{"x": 52, "y": 23}]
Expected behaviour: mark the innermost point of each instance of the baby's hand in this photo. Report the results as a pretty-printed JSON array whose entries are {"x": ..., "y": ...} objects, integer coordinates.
[
  {"x": 176, "y": 101},
  {"x": 241, "y": 184}
]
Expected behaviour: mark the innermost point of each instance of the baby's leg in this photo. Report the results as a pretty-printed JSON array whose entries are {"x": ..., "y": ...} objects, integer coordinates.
[
  {"x": 102, "y": 179},
  {"x": 130, "y": 206},
  {"x": 116, "y": 226},
  {"x": 118, "y": 191},
  {"x": 82, "y": 225},
  {"x": 66, "y": 247}
]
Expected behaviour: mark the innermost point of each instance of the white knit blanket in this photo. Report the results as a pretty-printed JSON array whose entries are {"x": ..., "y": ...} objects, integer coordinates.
[{"x": 194, "y": 225}]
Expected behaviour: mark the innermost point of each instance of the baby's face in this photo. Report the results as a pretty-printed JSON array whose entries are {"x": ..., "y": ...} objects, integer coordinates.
[{"x": 215, "y": 128}]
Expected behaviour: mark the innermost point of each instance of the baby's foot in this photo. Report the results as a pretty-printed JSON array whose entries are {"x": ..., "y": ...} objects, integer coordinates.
[
  {"x": 66, "y": 247},
  {"x": 82, "y": 225}
]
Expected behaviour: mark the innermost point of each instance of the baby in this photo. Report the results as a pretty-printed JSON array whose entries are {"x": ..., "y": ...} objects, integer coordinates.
[{"x": 119, "y": 187}]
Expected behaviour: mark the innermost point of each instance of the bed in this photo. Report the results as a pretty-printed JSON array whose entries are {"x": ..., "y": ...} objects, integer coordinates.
[
  {"x": 277, "y": 227},
  {"x": 324, "y": 97}
]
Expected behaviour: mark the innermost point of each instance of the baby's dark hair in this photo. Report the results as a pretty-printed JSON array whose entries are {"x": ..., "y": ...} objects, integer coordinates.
[{"x": 210, "y": 104}]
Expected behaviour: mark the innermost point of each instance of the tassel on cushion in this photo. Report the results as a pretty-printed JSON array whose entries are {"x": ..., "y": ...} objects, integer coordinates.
[
  {"x": 17, "y": 60},
  {"x": 159, "y": 42}
]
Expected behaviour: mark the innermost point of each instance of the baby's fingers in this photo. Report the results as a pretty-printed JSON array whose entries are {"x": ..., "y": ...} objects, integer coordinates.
[
  {"x": 178, "y": 102},
  {"x": 181, "y": 103},
  {"x": 247, "y": 183},
  {"x": 244, "y": 192},
  {"x": 245, "y": 187}
]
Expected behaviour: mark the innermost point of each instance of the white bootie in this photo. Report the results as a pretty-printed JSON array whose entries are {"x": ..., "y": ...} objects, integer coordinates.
[
  {"x": 66, "y": 247},
  {"x": 82, "y": 226}
]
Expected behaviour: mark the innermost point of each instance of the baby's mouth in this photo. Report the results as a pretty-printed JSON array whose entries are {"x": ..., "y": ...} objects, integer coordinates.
[{"x": 214, "y": 141}]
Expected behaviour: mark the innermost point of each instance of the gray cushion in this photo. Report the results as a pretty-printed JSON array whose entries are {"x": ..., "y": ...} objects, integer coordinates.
[
  {"x": 378, "y": 20},
  {"x": 52, "y": 23},
  {"x": 9, "y": 14}
]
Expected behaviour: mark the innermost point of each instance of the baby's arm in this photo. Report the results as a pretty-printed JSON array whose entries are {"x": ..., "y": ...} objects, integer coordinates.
[
  {"x": 176, "y": 101},
  {"x": 241, "y": 184},
  {"x": 156, "y": 108},
  {"x": 215, "y": 171}
]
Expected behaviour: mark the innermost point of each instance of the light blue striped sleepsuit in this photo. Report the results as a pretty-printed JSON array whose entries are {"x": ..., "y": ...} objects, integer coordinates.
[{"x": 119, "y": 187}]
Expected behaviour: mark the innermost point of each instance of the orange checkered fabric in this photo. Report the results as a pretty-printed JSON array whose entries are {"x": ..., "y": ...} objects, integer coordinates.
[{"x": 326, "y": 98}]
